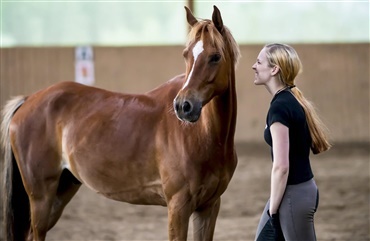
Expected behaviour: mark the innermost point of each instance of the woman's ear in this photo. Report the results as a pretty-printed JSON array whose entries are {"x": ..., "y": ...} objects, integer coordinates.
[{"x": 275, "y": 70}]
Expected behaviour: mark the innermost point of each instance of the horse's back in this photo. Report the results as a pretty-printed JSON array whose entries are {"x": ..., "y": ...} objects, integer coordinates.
[
  {"x": 70, "y": 101},
  {"x": 48, "y": 111}
]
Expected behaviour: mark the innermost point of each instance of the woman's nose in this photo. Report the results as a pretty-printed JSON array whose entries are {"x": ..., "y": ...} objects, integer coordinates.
[{"x": 254, "y": 66}]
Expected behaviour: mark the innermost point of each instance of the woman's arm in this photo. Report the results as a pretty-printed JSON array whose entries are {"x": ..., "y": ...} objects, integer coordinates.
[{"x": 280, "y": 167}]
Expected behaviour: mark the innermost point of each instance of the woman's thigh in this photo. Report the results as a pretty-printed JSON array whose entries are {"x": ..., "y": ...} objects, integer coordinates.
[{"x": 297, "y": 211}]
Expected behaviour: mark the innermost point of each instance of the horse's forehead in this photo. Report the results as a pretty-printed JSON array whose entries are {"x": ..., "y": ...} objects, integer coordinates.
[
  {"x": 198, "y": 48},
  {"x": 201, "y": 43}
]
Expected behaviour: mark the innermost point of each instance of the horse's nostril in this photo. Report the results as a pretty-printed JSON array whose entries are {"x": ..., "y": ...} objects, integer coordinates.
[
  {"x": 177, "y": 106},
  {"x": 186, "y": 107}
]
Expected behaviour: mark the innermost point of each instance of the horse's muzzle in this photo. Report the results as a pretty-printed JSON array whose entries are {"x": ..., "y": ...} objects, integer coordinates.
[{"x": 186, "y": 109}]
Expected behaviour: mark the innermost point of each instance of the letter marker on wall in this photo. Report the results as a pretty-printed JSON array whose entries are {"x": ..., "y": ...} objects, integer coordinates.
[{"x": 84, "y": 65}]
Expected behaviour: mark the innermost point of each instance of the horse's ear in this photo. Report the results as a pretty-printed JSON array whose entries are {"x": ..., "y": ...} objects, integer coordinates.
[
  {"x": 190, "y": 17},
  {"x": 217, "y": 20}
]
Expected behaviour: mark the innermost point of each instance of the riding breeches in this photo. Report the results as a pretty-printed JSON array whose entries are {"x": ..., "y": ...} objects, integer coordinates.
[{"x": 296, "y": 213}]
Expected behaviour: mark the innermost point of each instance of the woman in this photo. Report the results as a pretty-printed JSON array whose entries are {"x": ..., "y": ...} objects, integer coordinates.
[{"x": 292, "y": 129}]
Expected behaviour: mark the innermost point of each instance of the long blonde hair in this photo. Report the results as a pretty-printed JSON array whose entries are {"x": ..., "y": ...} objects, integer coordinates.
[{"x": 290, "y": 66}]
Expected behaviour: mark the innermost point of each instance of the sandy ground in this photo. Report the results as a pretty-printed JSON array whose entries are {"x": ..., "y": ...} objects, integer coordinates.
[{"x": 342, "y": 175}]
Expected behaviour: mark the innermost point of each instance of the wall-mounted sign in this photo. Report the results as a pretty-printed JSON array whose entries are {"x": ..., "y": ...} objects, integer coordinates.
[{"x": 84, "y": 65}]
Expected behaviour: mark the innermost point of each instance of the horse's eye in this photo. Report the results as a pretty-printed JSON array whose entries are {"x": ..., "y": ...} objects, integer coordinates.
[
  {"x": 215, "y": 58},
  {"x": 185, "y": 53}
]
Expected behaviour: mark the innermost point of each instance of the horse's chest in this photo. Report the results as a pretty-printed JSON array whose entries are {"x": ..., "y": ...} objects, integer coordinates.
[{"x": 214, "y": 179}]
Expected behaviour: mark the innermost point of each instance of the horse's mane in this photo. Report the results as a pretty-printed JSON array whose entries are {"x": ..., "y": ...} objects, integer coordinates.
[{"x": 198, "y": 31}]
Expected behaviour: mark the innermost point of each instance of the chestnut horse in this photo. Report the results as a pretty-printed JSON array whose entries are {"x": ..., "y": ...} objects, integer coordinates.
[{"x": 172, "y": 146}]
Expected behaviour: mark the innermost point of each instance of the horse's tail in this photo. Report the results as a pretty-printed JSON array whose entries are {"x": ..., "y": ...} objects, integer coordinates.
[{"x": 15, "y": 200}]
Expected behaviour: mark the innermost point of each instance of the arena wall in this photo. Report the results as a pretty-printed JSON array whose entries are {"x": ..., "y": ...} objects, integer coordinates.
[{"x": 335, "y": 78}]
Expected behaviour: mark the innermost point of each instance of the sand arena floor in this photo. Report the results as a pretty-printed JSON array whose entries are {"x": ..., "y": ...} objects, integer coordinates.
[{"x": 342, "y": 176}]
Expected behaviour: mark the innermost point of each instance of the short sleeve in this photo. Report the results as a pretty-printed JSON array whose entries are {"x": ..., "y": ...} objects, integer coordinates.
[{"x": 279, "y": 112}]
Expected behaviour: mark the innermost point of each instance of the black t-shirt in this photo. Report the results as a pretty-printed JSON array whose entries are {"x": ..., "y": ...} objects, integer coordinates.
[{"x": 286, "y": 109}]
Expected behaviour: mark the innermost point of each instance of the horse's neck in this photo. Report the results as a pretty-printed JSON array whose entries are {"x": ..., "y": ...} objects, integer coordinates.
[{"x": 222, "y": 112}]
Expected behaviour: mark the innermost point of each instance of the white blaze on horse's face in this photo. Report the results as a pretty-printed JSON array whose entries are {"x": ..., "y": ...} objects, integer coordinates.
[{"x": 197, "y": 50}]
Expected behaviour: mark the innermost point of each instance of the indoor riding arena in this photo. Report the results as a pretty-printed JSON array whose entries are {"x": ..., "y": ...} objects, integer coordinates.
[{"x": 335, "y": 77}]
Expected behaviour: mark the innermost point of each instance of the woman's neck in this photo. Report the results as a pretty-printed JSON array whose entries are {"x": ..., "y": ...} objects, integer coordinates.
[{"x": 275, "y": 87}]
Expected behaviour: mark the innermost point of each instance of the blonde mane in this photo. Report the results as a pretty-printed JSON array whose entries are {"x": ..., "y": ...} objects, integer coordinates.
[{"x": 217, "y": 40}]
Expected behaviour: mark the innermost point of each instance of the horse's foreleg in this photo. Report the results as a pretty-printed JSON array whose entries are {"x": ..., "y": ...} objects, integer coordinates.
[
  {"x": 179, "y": 211},
  {"x": 204, "y": 221}
]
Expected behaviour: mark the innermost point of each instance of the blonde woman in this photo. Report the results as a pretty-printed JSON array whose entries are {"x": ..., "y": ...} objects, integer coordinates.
[{"x": 292, "y": 129}]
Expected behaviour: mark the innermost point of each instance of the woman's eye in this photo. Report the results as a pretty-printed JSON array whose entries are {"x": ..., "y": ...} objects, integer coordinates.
[{"x": 215, "y": 58}]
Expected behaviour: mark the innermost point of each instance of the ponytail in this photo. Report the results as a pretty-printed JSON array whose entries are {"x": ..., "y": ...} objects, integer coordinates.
[{"x": 318, "y": 130}]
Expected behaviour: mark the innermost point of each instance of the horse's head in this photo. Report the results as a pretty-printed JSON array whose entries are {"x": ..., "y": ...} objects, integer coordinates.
[{"x": 210, "y": 55}]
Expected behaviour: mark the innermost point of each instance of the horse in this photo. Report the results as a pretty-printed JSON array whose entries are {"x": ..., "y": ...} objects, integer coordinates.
[{"x": 172, "y": 146}]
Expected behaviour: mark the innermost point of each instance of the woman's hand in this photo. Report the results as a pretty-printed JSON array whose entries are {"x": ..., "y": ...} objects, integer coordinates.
[{"x": 275, "y": 224}]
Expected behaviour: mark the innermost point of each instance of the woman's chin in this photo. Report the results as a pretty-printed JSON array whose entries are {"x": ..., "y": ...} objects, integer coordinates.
[{"x": 256, "y": 82}]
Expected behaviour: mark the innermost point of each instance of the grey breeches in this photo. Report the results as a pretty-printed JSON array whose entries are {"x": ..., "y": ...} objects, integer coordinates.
[{"x": 296, "y": 213}]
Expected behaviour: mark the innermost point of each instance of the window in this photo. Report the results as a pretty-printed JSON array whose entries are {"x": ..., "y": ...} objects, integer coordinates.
[
  {"x": 68, "y": 23},
  {"x": 122, "y": 23},
  {"x": 293, "y": 21}
]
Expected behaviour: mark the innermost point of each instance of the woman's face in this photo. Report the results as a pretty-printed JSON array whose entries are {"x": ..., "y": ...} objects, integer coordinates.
[{"x": 263, "y": 72}]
